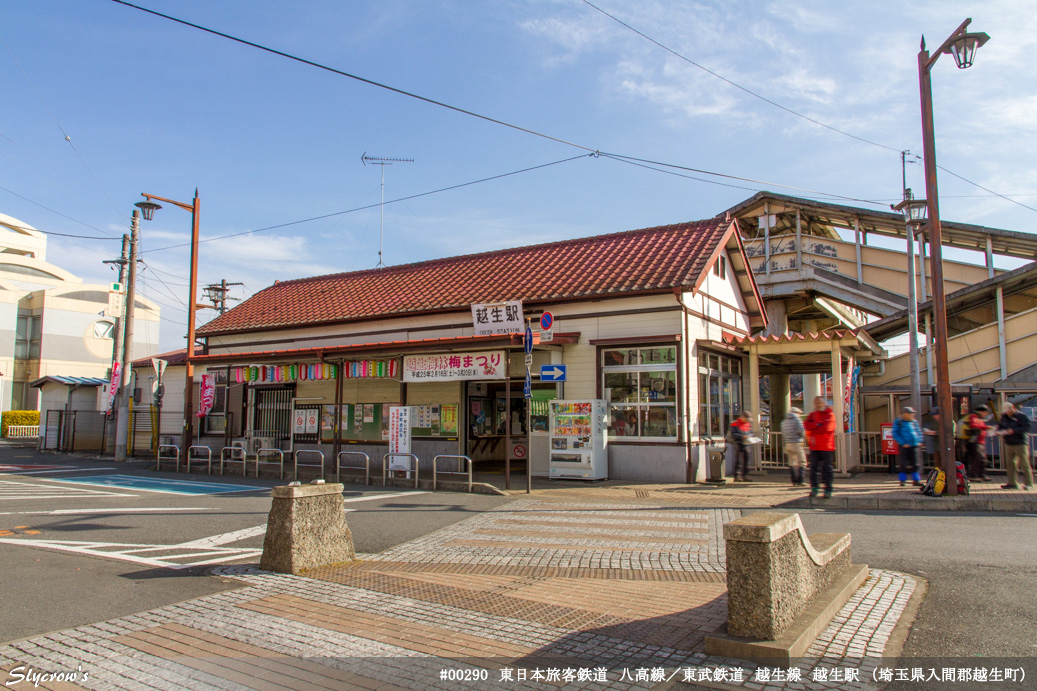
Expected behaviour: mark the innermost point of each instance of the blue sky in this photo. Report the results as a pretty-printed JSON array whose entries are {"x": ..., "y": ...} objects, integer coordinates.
[{"x": 153, "y": 106}]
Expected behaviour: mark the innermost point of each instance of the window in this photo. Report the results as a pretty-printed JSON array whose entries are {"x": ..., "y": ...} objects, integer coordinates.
[
  {"x": 216, "y": 420},
  {"x": 720, "y": 267},
  {"x": 104, "y": 329},
  {"x": 720, "y": 392},
  {"x": 640, "y": 385},
  {"x": 28, "y": 332}
]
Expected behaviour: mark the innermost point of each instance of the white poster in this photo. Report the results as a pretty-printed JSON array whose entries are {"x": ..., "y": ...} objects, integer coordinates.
[
  {"x": 455, "y": 367},
  {"x": 300, "y": 422},
  {"x": 399, "y": 430},
  {"x": 494, "y": 319}
]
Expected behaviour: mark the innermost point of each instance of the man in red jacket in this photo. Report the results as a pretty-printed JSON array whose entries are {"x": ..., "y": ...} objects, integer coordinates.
[{"x": 820, "y": 427}]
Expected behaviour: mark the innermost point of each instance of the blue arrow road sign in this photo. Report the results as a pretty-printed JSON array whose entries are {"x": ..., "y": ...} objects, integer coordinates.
[
  {"x": 527, "y": 342},
  {"x": 527, "y": 390},
  {"x": 552, "y": 372}
]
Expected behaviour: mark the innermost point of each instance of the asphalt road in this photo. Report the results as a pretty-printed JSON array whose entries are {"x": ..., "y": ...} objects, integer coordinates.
[{"x": 127, "y": 557}]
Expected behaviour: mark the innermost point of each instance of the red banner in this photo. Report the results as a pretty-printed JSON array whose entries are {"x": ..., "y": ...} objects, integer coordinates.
[{"x": 206, "y": 394}]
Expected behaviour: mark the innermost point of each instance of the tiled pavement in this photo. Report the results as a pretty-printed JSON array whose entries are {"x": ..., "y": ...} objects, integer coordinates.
[{"x": 536, "y": 594}]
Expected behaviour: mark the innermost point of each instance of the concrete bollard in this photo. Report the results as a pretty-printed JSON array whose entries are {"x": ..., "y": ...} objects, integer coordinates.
[{"x": 306, "y": 529}]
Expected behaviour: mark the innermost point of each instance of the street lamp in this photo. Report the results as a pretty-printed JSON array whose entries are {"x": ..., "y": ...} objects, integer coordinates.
[
  {"x": 962, "y": 45},
  {"x": 188, "y": 429},
  {"x": 914, "y": 216}
]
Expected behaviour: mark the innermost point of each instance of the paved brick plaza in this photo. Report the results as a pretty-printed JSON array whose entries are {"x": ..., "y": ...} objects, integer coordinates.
[{"x": 538, "y": 593}]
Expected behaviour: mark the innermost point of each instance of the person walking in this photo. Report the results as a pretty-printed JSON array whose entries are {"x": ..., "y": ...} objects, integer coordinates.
[
  {"x": 793, "y": 433},
  {"x": 1014, "y": 426},
  {"x": 974, "y": 436},
  {"x": 908, "y": 436},
  {"x": 739, "y": 434},
  {"x": 820, "y": 425}
]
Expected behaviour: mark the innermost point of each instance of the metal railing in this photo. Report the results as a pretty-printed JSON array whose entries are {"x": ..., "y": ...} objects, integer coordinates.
[
  {"x": 463, "y": 459},
  {"x": 200, "y": 458},
  {"x": 387, "y": 466},
  {"x": 309, "y": 465},
  {"x": 360, "y": 454},
  {"x": 23, "y": 431},
  {"x": 236, "y": 455},
  {"x": 771, "y": 452},
  {"x": 279, "y": 462},
  {"x": 869, "y": 449},
  {"x": 175, "y": 457}
]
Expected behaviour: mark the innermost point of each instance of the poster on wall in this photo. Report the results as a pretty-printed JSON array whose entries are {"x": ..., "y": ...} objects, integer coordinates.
[
  {"x": 448, "y": 420},
  {"x": 206, "y": 394},
  {"x": 368, "y": 412},
  {"x": 385, "y": 421}
]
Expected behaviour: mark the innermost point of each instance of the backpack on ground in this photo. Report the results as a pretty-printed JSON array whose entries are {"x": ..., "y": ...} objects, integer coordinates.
[
  {"x": 963, "y": 479},
  {"x": 935, "y": 483}
]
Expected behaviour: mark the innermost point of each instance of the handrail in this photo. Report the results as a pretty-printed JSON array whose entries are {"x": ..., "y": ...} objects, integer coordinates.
[
  {"x": 367, "y": 465},
  {"x": 234, "y": 450},
  {"x": 302, "y": 451},
  {"x": 447, "y": 472},
  {"x": 22, "y": 431},
  {"x": 159, "y": 457},
  {"x": 207, "y": 459},
  {"x": 386, "y": 470},
  {"x": 279, "y": 461}
]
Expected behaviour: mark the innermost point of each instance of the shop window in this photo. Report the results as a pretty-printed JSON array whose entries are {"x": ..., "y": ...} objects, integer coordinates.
[
  {"x": 216, "y": 420},
  {"x": 720, "y": 393},
  {"x": 640, "y": 385}
]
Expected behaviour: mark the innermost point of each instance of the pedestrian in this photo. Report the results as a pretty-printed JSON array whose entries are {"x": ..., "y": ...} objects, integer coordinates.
[
  {"x": 974, "y": 434},
  {"x": 738, "y": 435},
  {"x": 1014, "y": 427},
  {"x": 793, "y": 432},
  {"x": 908, "y": 437},
  {"x": 820, "y": 426}
]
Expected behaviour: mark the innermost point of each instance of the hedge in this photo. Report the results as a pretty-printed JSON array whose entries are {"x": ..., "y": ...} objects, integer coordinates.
[{"x": 18, "y": 417}]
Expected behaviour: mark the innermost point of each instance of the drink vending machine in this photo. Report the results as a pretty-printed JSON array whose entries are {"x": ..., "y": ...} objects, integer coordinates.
[{"x": 578, "y": 439}]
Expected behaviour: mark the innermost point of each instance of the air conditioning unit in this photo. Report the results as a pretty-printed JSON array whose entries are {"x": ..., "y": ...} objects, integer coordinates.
[{"x": 257, "y": 443}]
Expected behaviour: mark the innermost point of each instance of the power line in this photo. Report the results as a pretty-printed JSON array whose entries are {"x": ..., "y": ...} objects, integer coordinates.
[
  {"x": 735, "y": 84},
  {"x": 82, "y": 237}
]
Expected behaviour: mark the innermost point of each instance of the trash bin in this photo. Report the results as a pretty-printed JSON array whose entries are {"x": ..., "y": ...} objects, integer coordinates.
[{"x": 717, "y": 460}]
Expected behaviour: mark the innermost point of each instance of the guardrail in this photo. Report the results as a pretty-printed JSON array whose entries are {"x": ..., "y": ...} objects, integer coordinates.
[
  {"x": 446, "y": 472},
  {"x": 366, "y": 468},
  {"x": 279, "y": 462},
  {"x": 192, "y": 458},
  {"x": 869, "y": 449},
  {"x": 386, "y": 469},
  {"x": 236, "y": 455},
  {"x": 310, "y": 465},
  {"x": 175, "y": 457},
  {"x": 23, "y": 431}
]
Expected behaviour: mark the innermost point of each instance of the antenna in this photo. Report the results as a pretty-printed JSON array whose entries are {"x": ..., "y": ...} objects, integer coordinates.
[{"x": 382, "y": 161}]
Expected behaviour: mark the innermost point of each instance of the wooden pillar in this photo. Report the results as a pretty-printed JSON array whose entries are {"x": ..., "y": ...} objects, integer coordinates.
[
  {"x": 837, "y": 407},
  {"x": 754, "y": 398},
  {"x": 857, "y": 246},
  {"x": 799, "y": 242}
]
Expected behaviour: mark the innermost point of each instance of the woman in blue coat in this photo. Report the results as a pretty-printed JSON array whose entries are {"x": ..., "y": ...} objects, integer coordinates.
[{"x": 908, "y": 436}]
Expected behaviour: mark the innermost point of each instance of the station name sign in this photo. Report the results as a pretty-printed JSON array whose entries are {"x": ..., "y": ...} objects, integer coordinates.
[{"x": 498, "y": 318}]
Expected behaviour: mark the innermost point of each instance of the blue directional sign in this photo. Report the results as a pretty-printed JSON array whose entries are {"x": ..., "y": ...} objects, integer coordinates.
[
  {"x": 527, "y": 342},
  {"x": 552, "y": 372},
  {"x": 527, "y": 390}
]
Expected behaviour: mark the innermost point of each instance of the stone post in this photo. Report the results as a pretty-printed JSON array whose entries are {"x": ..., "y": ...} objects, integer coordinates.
[{"x": 306, "y": 529}]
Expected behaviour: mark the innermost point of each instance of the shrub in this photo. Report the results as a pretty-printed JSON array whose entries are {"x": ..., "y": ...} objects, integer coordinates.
[{"x": 18, "y": 417}]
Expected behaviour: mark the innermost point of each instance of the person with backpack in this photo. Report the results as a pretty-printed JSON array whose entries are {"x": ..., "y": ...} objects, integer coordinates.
[
  {"x": 908, "y": 436},
  {"x": 793, "y": 433},
  {"x": 1014, "y": 426},
  {"x": 973, "y": 431},
  {"x": 738, "y": 434},
  {"x": 820, "y": 426}
]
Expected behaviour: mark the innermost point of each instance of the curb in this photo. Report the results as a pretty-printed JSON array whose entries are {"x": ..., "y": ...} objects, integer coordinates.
[{"x": 919, "y": 503}]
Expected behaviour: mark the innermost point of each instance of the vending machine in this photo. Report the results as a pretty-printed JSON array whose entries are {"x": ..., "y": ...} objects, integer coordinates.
[{"x": 578, "y": 439}]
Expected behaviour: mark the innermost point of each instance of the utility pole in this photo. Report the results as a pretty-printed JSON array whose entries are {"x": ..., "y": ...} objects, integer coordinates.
[
  {"x": 122, "y": 261},
  {"x": 382, "y": 161},
  {"x": 122, "y": 428},
  {"x": 217, "y": 294}
]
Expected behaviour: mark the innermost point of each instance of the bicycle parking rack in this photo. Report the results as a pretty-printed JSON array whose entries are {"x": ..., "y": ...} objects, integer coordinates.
[
  {"x": 192, "y": 458},
  {"x": 386, "y": 469},
  {"x": 279, "y": 462},
  {"x": 175, "y": 457},
  {"x": 308, "y": 465},
  {"x": 236, "y": 455},
  {"x": 367, "y": 465},
  {"x": 435, "y": 460}
]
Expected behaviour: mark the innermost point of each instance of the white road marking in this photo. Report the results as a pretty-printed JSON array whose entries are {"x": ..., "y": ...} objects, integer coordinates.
[
  {"x": 12, "y": 489},
  {"x": 55, "y": 470},
  {"x": 372, "y": 497},
  {"x": 66, "y": 512},
  {"x": 135, "y": 552}
]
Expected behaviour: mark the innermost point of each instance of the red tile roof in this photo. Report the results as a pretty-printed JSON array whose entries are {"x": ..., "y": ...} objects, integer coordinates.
[{"x": 650, "y": 260}]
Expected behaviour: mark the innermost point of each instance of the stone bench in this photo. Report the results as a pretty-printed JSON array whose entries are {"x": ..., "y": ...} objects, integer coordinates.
[
  {"x": 783, "y": 587},
  {"x": 306, "y": 529}
]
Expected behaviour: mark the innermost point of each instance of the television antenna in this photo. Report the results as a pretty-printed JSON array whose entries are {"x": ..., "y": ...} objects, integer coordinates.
[{"x": 382, "y": 161}]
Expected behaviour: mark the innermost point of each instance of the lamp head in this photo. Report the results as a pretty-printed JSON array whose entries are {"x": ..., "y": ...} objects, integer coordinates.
[
  {"x": 963, "y": 48},
  {"x": 147, "y": 208},
  {"x": 914, "y": 210}
]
